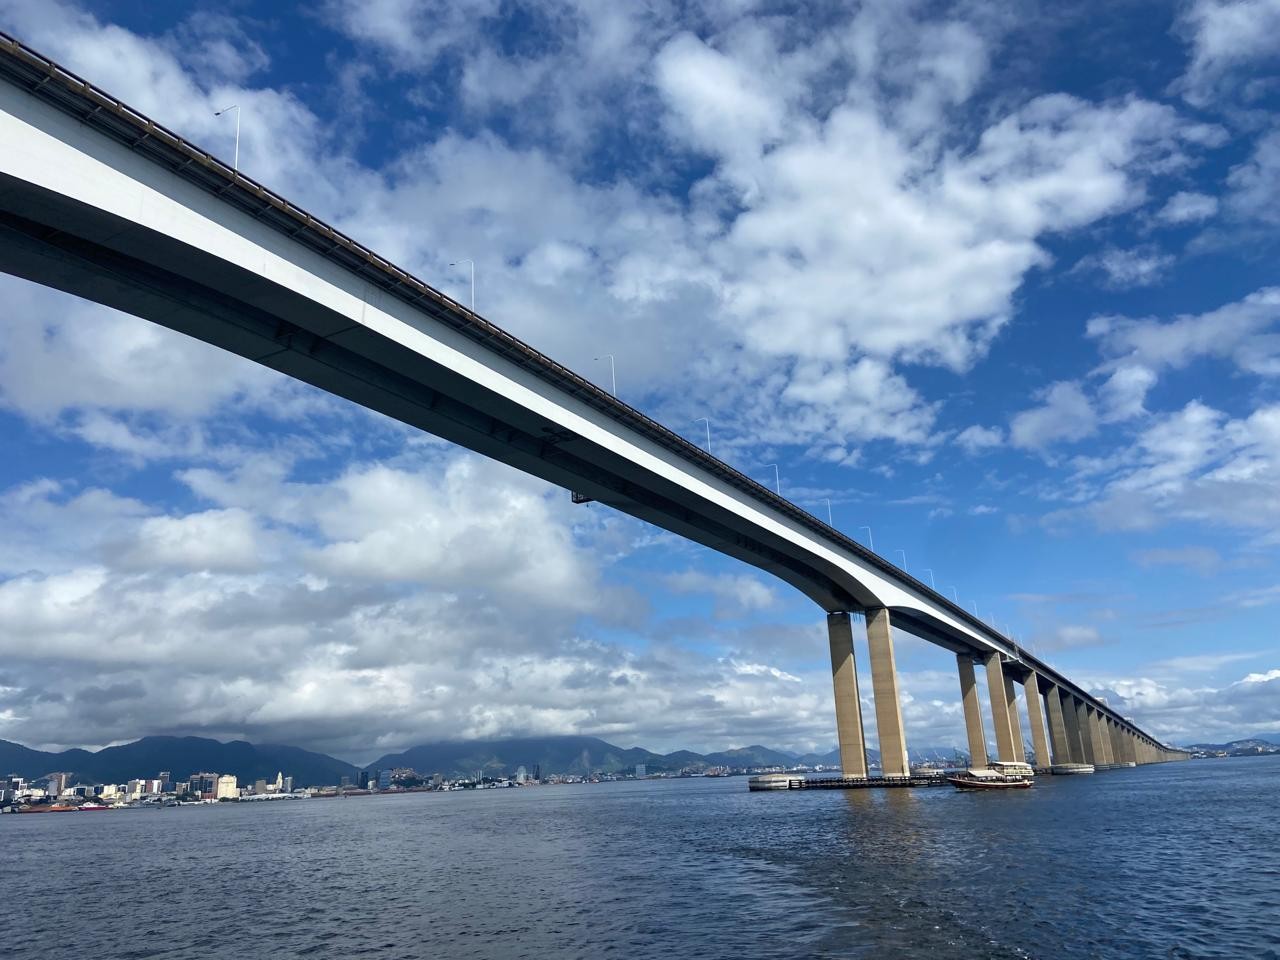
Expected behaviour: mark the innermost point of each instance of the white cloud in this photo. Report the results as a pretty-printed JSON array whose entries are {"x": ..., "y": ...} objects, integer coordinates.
[
  {"x": 1123, "y": 395},
  {"x": 735, "y": 594},
  {"x": 1241, "y": 332},
  {"x": 1188, "y": 207},
  {"x": 1066, "y": 415},
  {"x": 976, "y": 439},
  {"x": 1122, "y": 269},
  {"x": 1255, "y": 184},
  {"x": 1225, "y": 36}
]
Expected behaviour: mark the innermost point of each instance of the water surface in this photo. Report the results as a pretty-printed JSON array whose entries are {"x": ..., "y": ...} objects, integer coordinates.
[{"x": 1175, "y": 860}]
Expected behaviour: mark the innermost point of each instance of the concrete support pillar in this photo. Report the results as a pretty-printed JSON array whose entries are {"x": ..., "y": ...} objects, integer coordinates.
[
  {"x": 1057, "y": 726},
  {"x": 1085, "y": 728},
  {"x": 972, "y": 711},
  {"x": 998, "y": 695},
  {"x": 884, "y": 687},
  {"x": 1117, "y": 748},
  {"x": 1127, "y": 746},
  {"x": 1102, "y": 745},
  {"x": 1035, "y": 718},
  {"x": 844, "y": 676},
  {"x": 1015, "y": 723},
  {"x": 1075, "y": 742}
]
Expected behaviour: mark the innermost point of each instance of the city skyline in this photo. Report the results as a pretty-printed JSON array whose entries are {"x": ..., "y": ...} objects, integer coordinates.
[{"x": 1007, "y": 315}]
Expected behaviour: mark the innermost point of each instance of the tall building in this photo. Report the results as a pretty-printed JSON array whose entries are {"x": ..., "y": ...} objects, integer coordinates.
[
  {"x": 642, "y": 771},
  {"x": 384, "y": 779},
  {"x": 363, "y": 779},
  {"x": 204, "y": 784},
  {"x": 225, "y": 788},
  {"x": 287, "y": 787},
  {"x": 58, "y": 783}
]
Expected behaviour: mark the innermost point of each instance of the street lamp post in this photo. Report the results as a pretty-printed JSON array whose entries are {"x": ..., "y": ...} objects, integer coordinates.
[
  {"x": 904, "y": 558},
  {"x": 707, "y": 420},
  {"x": 955, "y": 595},
  {"x": 932, "y": 583},
  {"x": 830, "y": 522},
  {"x": 613, "y": 374},
  {"x": 472, "y": 263},
  {"x": 235, "y": 164},
  {"x": 777, "y": 479},
  {"x": 870, "y": 541}
]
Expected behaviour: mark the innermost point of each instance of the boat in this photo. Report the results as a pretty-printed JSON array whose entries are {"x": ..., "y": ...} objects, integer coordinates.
[
  {"x": 90, "y": 807},
  {"x": 998, "y": 775}
]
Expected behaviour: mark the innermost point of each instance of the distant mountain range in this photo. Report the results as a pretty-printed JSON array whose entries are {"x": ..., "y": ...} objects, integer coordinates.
[
  {"x": 183, "y": 756},
  {"x": 1270, "y": 742}
]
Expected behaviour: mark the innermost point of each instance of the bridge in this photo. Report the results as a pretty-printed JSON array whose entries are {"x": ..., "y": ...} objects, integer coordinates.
[{"x": 102, "y": 202}]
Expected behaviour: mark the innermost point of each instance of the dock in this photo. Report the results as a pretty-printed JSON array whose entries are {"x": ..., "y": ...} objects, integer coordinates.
[{"x": 783, "y": 781}]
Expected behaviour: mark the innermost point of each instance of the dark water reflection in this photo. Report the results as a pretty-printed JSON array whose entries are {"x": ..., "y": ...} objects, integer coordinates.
[{"x": 1180, "y": 860}]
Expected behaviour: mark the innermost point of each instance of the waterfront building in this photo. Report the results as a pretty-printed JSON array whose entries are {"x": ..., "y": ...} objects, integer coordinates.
[
  {"x": 204, "y": 784},
  {"x": 225, "y": 788},
  {"x": 384, "y": 779},
  {"x": 642, "y": 771},
  {"x": 287, "y": 785}
]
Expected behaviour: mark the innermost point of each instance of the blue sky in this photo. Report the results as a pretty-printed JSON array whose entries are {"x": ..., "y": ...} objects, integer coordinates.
[{"x": 997, "y": 283}]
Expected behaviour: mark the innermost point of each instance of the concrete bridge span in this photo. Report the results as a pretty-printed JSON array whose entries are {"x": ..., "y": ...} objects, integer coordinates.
[{"x": 102, "y": 202}]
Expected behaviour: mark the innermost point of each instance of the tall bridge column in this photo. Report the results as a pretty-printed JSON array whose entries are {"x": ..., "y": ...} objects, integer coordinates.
[
  {"x": 1101, "y": 745},
  {"x": 884, "y": 687},
  {"x": 1035, "y": 717},
  {"x": 1086, "y": 734},
  {"x": 844, "y": 676},
  {"x": 972, "y": 711},
  {"x": 1109, "y": 728},
  {"x": 1126, "y": 746},
  {"x": 1074, "y": 743},
  {"x": 1058, "y": 726},
  {"x": 1015, "y": 724},
  {"x": 999, "y": 708}
]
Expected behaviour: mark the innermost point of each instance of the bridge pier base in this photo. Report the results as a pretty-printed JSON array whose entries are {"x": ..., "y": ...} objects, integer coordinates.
[
  {"x": 844, "y": 676},
  {"x": 884, "y": 688},
  {"x": 1075, "y": 741}
]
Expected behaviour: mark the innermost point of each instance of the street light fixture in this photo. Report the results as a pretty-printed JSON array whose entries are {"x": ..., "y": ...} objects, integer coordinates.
[
  {"x": 931, "y": 580},
  {"x": 830, "y": 522},
  {"x": 871, "y": 542},
  {"x": 613, "y": 374},
  {"x": 707, "y": 420},
  {"x": 955, "y": 595},
  {"x": 235, "y": 164},
  {"x": 904, "y": 558},
  {"x": 468, "y": 260}
]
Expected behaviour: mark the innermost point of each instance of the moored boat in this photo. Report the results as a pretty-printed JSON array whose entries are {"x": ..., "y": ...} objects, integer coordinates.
[{"x": 996, "y": 776}]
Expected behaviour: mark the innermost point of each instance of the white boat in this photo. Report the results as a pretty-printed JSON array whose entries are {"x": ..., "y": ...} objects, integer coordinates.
[{"x": 996, "y": 775}]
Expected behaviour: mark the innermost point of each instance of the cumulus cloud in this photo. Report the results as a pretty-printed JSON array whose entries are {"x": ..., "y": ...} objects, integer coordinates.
[
  {"x": 1122, "y": 269},
  {"x": 1065, "y": 415},
  {"x": 1225, "y": 37},
  {"x": 1188, "y": 207},
  {"x": 1242, "y": 332}
]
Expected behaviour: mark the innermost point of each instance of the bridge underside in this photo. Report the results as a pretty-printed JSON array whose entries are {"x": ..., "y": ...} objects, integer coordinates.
[{"x": 60, "y": 243}]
